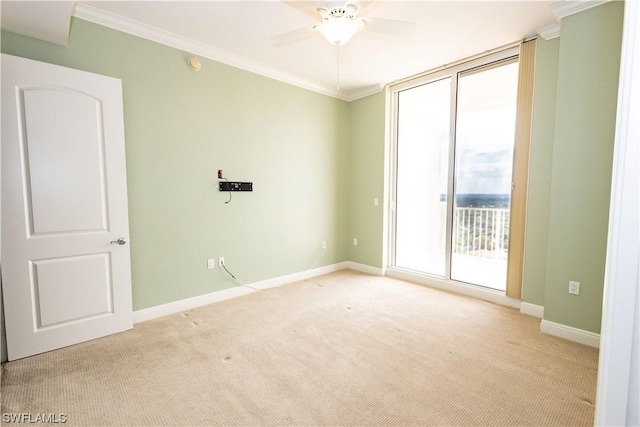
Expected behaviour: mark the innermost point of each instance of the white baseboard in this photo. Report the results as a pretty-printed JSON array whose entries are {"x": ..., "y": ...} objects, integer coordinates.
[
  {"x": 570, "y": 333},
  {"x": 364, "y": 268},
  {"x": 457, "y": 287},
  {"x": 225, "y": 294},
  {"x": 189, "y": 303},
  {"x": 302, "y": 275},
  {"x": 532, "y": 309}
]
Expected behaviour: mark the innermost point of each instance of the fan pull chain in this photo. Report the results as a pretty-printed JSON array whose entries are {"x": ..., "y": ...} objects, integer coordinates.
[{"x": 338, "y": 68}]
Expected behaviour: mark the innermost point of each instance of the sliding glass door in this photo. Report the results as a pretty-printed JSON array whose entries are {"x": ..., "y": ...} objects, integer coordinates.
[
  {"x": 454, "y": 153},
  {"x": 423, "y": 164},
  {"x": 485, "y": 132}
]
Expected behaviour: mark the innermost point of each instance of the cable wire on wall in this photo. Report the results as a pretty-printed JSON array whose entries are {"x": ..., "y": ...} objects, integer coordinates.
[{"x": 230, "y": 196}]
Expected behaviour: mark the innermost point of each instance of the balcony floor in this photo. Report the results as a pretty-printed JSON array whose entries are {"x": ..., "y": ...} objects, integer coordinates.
[
  {"x": 488, "y": 272},
  {"x": 476, "y": 270}
]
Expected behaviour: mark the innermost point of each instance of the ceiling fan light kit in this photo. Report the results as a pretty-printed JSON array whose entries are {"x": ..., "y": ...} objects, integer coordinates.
[{"x": 339, "y": 24}]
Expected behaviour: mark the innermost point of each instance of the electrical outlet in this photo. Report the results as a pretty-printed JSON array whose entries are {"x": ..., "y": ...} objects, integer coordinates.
[
  {"x": 211, "y": 263},
  {"x": 221, "y": 261},
  {"x": 574, "y": 287},
  {"x": 355, "y": 241},
  {"x": 375, "y": 201},
  {"x": 323, "y": 245}
]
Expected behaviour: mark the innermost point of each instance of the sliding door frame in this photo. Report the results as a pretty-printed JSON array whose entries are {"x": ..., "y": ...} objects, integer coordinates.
[{"x": 453, "y": 72}]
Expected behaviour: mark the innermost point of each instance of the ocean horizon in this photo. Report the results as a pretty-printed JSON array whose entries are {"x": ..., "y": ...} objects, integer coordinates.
[{"x": 481, "y": 200}]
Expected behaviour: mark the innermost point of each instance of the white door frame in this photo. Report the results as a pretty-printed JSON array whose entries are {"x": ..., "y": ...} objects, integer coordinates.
[{"x": 617, "y": 395}]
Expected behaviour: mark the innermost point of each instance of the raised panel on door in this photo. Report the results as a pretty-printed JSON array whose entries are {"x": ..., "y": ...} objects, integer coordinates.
[
  {"x": 54, "y": 296},
  {"x": 65, "y": 163}
]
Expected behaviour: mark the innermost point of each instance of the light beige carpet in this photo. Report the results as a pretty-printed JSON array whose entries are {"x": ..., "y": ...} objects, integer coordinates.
[{"x": 341, "y": 349}]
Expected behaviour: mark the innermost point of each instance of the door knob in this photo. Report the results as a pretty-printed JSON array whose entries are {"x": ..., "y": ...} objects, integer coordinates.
[{"x": 120, "y": 241}]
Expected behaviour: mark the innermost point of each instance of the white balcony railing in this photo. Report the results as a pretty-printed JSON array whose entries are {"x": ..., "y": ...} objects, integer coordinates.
[{"x": 481, "y": 232}]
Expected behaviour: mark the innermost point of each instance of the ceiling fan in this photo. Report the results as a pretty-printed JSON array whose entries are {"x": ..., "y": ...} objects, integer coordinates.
[{"x": 340, "y": 21}]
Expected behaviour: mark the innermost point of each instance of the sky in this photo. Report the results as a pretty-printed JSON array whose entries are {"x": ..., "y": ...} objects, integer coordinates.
[
  {"x": 485, "y": 131},
  {"x": 485, "y": 151}
]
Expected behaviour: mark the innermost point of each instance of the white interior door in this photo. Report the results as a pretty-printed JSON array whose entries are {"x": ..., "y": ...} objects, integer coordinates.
[{"x": 65, "y": 277}]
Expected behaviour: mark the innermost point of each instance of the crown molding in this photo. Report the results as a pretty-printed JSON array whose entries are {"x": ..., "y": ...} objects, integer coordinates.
[
  {"x": 364, "y": 92},
  {"x": 565, "y": 8},
  {"x": 88, "y": 13},
  {"x": 549, "y": 32}
]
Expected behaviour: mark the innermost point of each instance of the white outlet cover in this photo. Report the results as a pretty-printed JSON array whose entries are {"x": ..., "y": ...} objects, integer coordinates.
[
  {"x": 574, "y": 287},
  {"x": 211, "y": 263}
]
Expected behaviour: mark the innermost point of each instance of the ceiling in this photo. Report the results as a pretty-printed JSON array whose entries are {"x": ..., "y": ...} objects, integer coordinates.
[{"x": 239, "y": 33}]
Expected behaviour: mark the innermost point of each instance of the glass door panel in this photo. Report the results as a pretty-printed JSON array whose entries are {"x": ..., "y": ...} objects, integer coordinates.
[
  {"x": 485, "y": 131},
  {"x": 423, "y": 142}
]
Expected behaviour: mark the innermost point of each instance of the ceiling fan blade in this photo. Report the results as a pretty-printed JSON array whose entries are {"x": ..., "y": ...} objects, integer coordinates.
[
  {"x": 294, "y": 35},
  {"x": 389, "y": 26},
  {"x": 308, "y": 7},
  {"x": 363, "y": 6}
]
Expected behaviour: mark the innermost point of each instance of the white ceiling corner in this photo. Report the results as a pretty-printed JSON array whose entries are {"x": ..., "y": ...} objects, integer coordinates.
[
  {"x": 364, "y": 92},
  {"x": 49, "y": 21},
  {"x": 549, "y": 32}
]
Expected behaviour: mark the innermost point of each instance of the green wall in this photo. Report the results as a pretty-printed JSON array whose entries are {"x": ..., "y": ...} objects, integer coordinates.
[
  {"x": 572, "y": 139},
  {"x": 540, "y": 161},
  {"x": 367, "y": 180},
  {"x": 182, "y": 126},
  {"x": 588, "y": 68}
]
